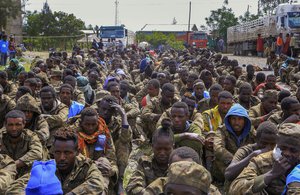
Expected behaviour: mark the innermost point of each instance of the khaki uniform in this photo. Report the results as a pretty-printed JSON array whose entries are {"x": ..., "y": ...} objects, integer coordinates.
[
  {"x": 8, "y": 171},
  {"x": 256, "y": 113},
  {"x": 157, "y": 188},
  {"x": 147, "y": 171},
  {"x": 276, "y": 118},
  {"x": 196, "y": 118},
  {"x": 85, "y": 178},
  {"x": 28, "y": 149},
  {"x": 6, "y": 104},
  {"x": 10, "y": 89},
  {"x": 254, "y": 100},
  {"x": 203, "y": 105},
  {"x": 225, "y": 146},
  {"x": 78, "y": 96},
  {"x": 244, "y": 79},
  {"x": 39, "y": 125},
  {"x": 148, "y": 114},
  {"x": 55, "y": 118},
  {"x": 122, "y": 139},
  {"x": 251, "y": 179}
]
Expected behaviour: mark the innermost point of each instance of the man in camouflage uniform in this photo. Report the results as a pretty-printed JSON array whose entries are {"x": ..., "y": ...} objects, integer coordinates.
[
  {"x": 265, "y": 109},
  {"x": 55, "y": 112},
  {"x": 9, "y": 88},
  {"x": 266, "y": 173},
  {"x": 56, "y": 79},
  {"x": 6, "y": 104},
  {"x": 120, "y": 130},
  {"x": 22, "y": 145},
  {"x": 152, "y": 112},
  {"x": 249, "y": 77},
  {"x": 236, "y": 132},
  {"x": 8, "y": 172},
  {"x": 290, "y": 111},
  {"x": 78, "y": 96},
  {"x": 77, "y": 174},
  {"x": 212, "y": 101},
  {"x": 245, "y": 97}
]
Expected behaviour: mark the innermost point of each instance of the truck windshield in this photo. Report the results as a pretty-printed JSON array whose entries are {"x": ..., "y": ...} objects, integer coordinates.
[
  {"x": 294, "y": 19},
  {"x": 198, "y": 36}
]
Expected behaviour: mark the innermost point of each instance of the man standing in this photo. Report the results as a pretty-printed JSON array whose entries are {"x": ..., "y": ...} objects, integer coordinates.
[
  {"x": 279, "y": 44},
  {"x": 260, "y": 45},
  {"x": 3, "y": 50}
]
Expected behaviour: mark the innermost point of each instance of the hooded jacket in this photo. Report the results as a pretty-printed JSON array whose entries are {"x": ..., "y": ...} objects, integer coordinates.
[{"x": 238, "y": 110}]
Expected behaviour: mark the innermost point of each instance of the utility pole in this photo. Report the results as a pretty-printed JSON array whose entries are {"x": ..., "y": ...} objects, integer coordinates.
[
  {"x": 117, "y": 12},
  {"x": 189, "y": 24}
]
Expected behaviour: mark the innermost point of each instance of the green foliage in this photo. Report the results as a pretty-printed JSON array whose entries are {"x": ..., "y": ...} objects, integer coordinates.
[
  {"x": 53, "y": 24},
  {"x": 8, "y": 9},
  {"x": 220, "y": 19},
  {"x": 158, "y": 38},
  {"x": 247, "y": 17},
  {"x": 267, "y": 7}
]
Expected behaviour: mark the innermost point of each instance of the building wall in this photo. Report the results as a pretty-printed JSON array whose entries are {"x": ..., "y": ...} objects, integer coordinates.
[{"x": 14, "y": 26}]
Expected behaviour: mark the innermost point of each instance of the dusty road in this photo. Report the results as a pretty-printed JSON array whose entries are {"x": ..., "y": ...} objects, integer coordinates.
[{"x": 248, "y": 60}]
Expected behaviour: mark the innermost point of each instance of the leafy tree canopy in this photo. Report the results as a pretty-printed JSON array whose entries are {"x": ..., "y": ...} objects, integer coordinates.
[{"x": 8, "y": 9}]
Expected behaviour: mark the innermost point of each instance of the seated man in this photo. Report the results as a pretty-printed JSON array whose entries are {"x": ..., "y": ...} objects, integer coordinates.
[
  {"x": 269, "y": 84},
  {"x": 266, "y": 135},
  {"x": 230, "y": 137},
  {"x": 65, "y": 96},
  {"x": 78, "y": 96},
  {"x": 245, "y": 97},
  {"x": 266, "y": 173},
  {"x": 290, "y": 112},
  {"x": 6, "y": 104},
  {"x": 153, "y": 111},
  {"x": 212, "y": 101},
  {"x": 265, "y": 109},
  {"x": 21, "y": 144},
  {"x": 9, "y": 88},
  {"x": 91, "y": 126},
  {"x": 76, "y": 173},
  {"x": 53, "y": 111},
  {"x": 8, "y": 172},
  {"x": 150, "y": 168}
]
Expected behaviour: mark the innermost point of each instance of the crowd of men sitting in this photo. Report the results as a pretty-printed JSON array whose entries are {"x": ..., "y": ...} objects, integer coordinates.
[{"x": 138, "y": 122}]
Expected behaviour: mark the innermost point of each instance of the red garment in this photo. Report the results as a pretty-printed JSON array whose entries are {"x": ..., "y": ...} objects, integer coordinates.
[
  {"x": 144, "y": 102},
  {"x": 260, "y": 44},
  {"x": 286, "y": 45},
  {"x": 262, "y": 85}
]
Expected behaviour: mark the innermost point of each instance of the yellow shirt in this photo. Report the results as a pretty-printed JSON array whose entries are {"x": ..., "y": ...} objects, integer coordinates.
[{"x": 212, "y": 119}]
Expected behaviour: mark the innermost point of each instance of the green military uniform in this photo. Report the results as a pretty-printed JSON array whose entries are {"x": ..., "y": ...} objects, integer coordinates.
[
  {"x": 27, "y": 150},
  {"x": 8, "y": 171},
  {"x": 251, "y": 180},
  {"x": 196, "y": 118},
  {"x": 203, "y": 105},
  {"x": 254, "y": 100},
  {"x": 244, "y": 151},
  {"x": 10, "y": 89},
  {"x": 55, "y": 118},
  {"x": 85, "y": 178},
  {"x": 39, "y": 125},
  {"x": 225, "y": 147},
  {"x": 78, "y": 96},
  {"x": 147, "y": 171},
  {"x": 276, "y": 118},
  {"x": 244, "y": 79},
  {"x": 149, "y": 112},
  {"x": 6, "y": 104},
  {"x": 122, "y": 137}
]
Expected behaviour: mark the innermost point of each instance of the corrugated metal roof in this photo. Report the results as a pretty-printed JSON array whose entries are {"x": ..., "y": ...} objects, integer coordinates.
[{"x": 166, "y": 27}]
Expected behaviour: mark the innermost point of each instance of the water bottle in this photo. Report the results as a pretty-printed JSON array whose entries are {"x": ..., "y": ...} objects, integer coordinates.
[{"x": 100, "y": 144}]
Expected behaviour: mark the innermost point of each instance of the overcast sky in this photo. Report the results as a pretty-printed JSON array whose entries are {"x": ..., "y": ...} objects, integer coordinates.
[{"x": 136, "y": 13}]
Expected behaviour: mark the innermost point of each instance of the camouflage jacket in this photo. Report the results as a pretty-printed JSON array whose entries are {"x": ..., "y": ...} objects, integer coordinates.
[
  {"x": 85, "y": 178},
  {"x": 10, "y": 89},
  {"x": 78, "y": 96},
  {"x": 6, "y": 104},
  {"x": 276, "y": 118},
  {"x": 251, "y": 180},
  {"x": 196, "y": 118},
  {"x": 254, "y": 100},
  {"x": 256, "y": 113},
  {"x": 28, "y": 149},
  {"x": 8, "y": 171},
  {"x": 55, "y": 118},
  {"x": 147, "y": 171}
]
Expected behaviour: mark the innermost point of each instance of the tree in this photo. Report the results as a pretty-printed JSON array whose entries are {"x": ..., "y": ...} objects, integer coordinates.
[
  {"x": 8, "y": 9},
  {"x": 247, "y": 17},
  {"x": 220, "y": 19},
  {"x": 267, "y": 7}
]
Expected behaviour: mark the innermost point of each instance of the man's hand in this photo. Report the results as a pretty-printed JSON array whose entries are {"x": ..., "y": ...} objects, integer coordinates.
[
  {"x": 260, "y": 151},
  {"x": 195, "y": 137},
  {"x": 120, "y": 110},
  {"x": 209, "y": 143},
  {"x": 267, "y": 116},
  {"x": 20, "y": 164},
  {"x": 104, "y": 166}
]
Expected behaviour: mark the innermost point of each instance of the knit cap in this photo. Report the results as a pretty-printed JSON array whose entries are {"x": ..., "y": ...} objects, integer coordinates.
[{"x": 43, "y": 180}]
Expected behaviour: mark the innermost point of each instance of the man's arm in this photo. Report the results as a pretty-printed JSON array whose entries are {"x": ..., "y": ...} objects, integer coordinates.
[
  {"x": 137, "y": 181},
  {"x": 58, "y": 119}
]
